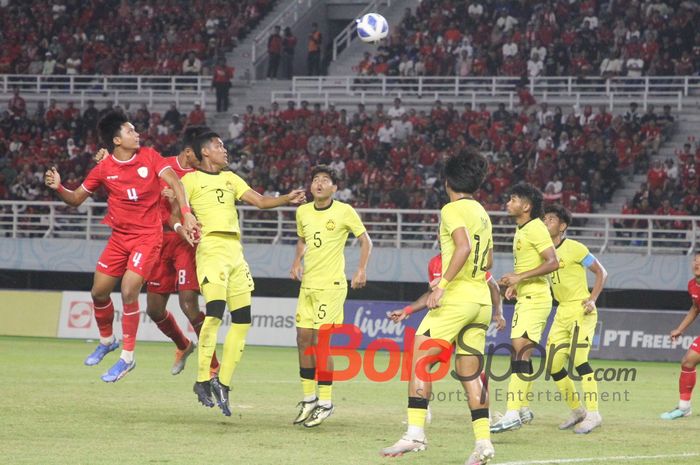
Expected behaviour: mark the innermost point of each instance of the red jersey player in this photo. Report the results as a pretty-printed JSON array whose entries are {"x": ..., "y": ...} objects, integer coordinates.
[
  {"x": 176, "y": 271},
  {"x": 691, "y": 359},
  {"x": 131, "y": 177}
]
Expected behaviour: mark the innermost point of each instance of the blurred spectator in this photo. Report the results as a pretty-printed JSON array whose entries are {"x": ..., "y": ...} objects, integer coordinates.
[
  {"x": 221, "y": 80},
  {"x": 314, "y": 51},
  {"x": 192, "y": 65},
  {"x": 196, "y": 116},
  {"x": 289, "y": 43},
  {"x": 274, "y": 52}
]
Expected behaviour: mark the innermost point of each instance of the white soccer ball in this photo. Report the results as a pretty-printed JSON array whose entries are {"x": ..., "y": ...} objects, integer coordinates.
[{"x": 372, "y": 27}]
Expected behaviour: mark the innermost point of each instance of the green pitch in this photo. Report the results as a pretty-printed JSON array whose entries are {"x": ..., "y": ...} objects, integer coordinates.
[{"x": 54, "y": 410}]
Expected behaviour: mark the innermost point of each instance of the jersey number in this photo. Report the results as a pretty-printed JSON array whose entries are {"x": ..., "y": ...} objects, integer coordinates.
[
  {"x": 220, "y": 196},
  {"x": 317, "y": 239},
  {"x": 181, "y": 276},
  {"x": 136, "y": 259},
  {"x": 555, "y": 277},
  {"x": 131, "y": 193},
  {"x": 322, "y": 311},
  {"x": 479, "y": 265}
]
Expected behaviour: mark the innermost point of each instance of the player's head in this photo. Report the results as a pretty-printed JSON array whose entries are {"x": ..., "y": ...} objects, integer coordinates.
[
  {"x": 465, "y": 172},
  {"x": 189, "y": 136},
  {"x": 557, "y": 219},
  {"x": 696, "y": 265},
  {"x": 116, "y": 131},
  {"x": 525, "y": 199},
  {"x": 324, "y": 182},
  {"x": 208, "y": 147}
]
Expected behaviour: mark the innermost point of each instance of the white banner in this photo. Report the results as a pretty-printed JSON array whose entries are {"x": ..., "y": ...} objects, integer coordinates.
[{"x": 273, "y": 320}]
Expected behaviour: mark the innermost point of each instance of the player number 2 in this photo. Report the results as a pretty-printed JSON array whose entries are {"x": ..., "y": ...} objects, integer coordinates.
[
  {"x": 322, "y": 311},
  {"x": 317, "y": 239},
  {"x": 131, "y": 193},
  {"x": 220, "y": 196}
]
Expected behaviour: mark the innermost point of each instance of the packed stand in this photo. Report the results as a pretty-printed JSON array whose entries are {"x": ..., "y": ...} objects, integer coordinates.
[
  {"x": 547, "y": 38},
  {"x": 121, "y": 36}
]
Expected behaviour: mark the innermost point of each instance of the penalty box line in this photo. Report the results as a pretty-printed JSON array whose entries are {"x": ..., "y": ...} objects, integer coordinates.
[{"x": 617, "y": 458}]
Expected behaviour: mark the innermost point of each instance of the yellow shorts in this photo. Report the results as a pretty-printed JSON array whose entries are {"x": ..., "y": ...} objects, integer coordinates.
[
  {"x": 220, "y": 261},
  {"x": 467, "y": 321},
  {"x": 530, "y": 319},
  {"x": 572, "y": 326},
  {"x": 317, "y": 307}
]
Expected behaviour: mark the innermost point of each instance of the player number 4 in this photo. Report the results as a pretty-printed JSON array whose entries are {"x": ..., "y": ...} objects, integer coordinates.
[
  {"x": 131, "y": 193},
  {"x": 136, "y": 259}
]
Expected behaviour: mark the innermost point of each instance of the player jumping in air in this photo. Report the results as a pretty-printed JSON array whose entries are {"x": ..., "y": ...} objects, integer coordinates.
[
  {"x": 574, "y": 322},
  {"x": 460, "y": 306},
  {"x": 222, "y": 272},
  {"x": 131, "y": 177},
  {"x": 534, "y": 258},
  {"x": 691, "y": 359},
  {"x": 323, "y": 227}
]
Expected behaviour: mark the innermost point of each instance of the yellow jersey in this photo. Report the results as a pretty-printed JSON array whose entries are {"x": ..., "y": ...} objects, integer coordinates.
[
  {"x": 569, "y": 282},
  {"x": 530, "y": 240},
  {"x": 212, "y": 197},
  {"x": 325, "y": 232},
  {"x": 469, "y": 285}
]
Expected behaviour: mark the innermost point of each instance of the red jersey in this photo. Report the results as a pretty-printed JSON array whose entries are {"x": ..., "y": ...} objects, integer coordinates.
[
  {"x": 694, "y": 291},
  {"x": 134, "y": 189},
  {"x": 174, "y": 163},
  {"x": 435, "y": 269}
]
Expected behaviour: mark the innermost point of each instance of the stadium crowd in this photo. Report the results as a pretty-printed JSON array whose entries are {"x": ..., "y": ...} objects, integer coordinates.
[
  {"x": 544, "y": 38},
  {"x": 122, "y": 37}
]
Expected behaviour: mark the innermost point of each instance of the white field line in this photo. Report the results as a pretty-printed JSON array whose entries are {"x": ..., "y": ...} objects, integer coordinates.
[{"x": 618, "y": 458}]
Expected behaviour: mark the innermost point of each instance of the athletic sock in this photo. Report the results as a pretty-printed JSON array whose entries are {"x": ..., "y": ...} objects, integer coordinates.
[
  {"x": 130, "y": 325},
  {"x": 170, "y": 328},
  {"x": 104, "y": 315}
]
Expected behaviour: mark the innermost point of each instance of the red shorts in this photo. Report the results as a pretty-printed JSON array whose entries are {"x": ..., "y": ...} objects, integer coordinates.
[
  {"x": 695, "y": 346},
  {"x": 135, "y": 252},
  {"x": 176, "y": 269}
]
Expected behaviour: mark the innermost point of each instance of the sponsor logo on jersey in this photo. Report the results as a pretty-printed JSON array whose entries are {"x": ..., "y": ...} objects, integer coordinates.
[{"x": 112, "y": 178}]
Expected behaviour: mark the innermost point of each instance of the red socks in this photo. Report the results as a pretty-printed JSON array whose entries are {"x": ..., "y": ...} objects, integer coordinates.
[
  {"x": 130, "y": 325},
  {"x": 686, "y": 383},
  {"x": 104, "y": 315},
  {"x": 169, "y": 327}
]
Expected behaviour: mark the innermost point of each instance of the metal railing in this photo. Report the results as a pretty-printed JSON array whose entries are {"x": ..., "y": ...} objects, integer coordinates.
[
  {"x": 671, "y": 90},
  {"x": 151, "y": 90},
  {"x": 349, "y": 33},
  {"x": 642, "y": 234},
  {"x": 288, "y": 17}
]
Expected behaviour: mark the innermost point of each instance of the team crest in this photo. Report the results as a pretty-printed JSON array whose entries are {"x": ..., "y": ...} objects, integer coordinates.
[
  {"x": 517, "y": 245},
  {"x": 143, "y": 172},
  {"x": 561, "y": 263},
  {"x": 330, "y": 225},
  {"x": 222, "y": 276},
  {"x": 229, "y": 186}
]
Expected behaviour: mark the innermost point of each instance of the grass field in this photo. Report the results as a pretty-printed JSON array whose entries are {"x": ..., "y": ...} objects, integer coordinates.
[{"x": 54, "y": 410}]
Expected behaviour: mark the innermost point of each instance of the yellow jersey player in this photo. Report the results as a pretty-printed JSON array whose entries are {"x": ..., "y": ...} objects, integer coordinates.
[
  {"x": 534, "y": 259},
  {"x": 460, "y": 312},
  {"x": 222, "y": 272},
  {"x": 323, "y": 228},
  {"x": 571, "y": 333}
]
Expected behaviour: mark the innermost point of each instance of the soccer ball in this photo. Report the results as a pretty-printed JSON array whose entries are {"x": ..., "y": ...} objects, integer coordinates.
[{"x": 372, "y": 27}]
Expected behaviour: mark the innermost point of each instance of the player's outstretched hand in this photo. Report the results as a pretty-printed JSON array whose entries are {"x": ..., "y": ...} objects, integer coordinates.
[
  {"x": 675, "y": 334},
  {"x": 397, "y": 315},
  {"x": 296, "y": 272},
  {"x": 297, "y": 197},
  {"x": 359, "y": 280},
  {"x": 52, "y": 179},
  {"x": 435, "y": 297},
  {"x": 100, "y": 155}
]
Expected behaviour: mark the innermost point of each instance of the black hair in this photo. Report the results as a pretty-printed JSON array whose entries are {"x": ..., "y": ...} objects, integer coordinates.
[
  {"x": 465, "y": 172},
  {"x": 189, "y": 136},
  {"x": 531, "y": 194},
  {"x": 109, "y": 127},
  {"x": 326, "y": 170},
  {"x": 560, "y": 212},
  {"x": 201, "y": 140}
]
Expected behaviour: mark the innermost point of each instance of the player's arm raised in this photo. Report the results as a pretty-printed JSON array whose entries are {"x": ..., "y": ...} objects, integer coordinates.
[
  {"x": 601, "y": 275},
  {"x": 360, "y": 278},
  {"x": 550, "y": 264},
  {"x": 189, "y": 222},
  {"x": 263, "y": 202},
  {"x": 463, "y": 248},
  {"x": 687, "y": 321},
  {"x": 73, "y": 198}
]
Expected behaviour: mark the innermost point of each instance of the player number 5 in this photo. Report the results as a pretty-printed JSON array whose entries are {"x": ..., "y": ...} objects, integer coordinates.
[
  {"x": 317, "y": 239},
  {"x": 322, "y": 311}
]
